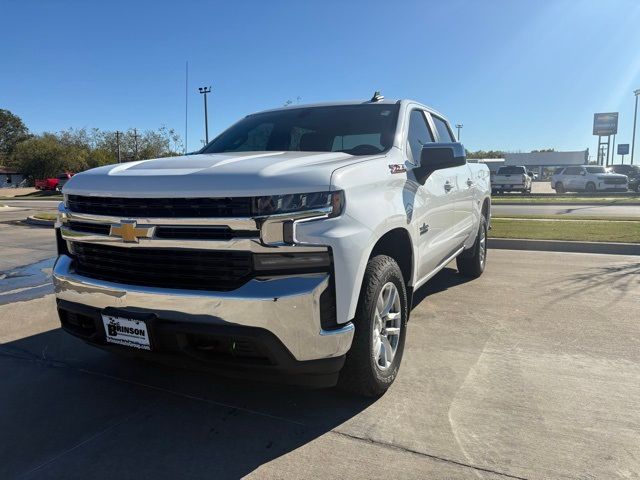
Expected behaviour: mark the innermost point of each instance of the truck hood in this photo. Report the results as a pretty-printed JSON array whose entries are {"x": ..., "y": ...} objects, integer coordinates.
[{"x": 214, "y": 175}]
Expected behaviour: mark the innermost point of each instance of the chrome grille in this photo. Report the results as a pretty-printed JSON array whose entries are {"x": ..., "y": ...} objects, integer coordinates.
[
  {"x": 224, "y": 207},
  {"x": 164, "y": 268}
]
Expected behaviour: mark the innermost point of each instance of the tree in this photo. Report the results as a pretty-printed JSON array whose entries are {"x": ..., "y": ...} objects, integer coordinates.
[
  {"x": 46, "y": 156},
  {"x": 485, "y": 154},
  {"x": 12, "y": 131}
]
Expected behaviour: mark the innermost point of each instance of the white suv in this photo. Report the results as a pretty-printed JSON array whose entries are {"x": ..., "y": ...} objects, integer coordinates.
[{"x": 588, "y": 178}]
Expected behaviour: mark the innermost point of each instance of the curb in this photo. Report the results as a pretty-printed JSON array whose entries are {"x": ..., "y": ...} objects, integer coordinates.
[
  {"x": 39, "y": 222},
  {"x": 565, "y": 246}
]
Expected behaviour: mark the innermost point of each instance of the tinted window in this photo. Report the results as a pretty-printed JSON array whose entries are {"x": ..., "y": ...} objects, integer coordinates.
[
  {"x": 596, "y": 169},
  {"x": 443, "y": 130},
  {"x": 572, "y": 171},
  {"x": 354, "y": 129},
  {"x": 511, "y": 170},
  {"x": 419, "y": 134}
]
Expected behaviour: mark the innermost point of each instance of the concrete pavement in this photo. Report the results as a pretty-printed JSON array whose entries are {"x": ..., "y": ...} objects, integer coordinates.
[{"x": 531, "y": 371}]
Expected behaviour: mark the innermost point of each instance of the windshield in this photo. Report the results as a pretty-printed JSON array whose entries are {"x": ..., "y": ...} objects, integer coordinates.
[
  {"x": 354, "y": 129},
  {"x": 510, "y": 170},
  {"x": 596, "y": 169}
]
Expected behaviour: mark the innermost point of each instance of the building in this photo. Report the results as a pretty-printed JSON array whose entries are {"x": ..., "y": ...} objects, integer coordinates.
[
  {"x": 544, "y": 163},
  {"x": 493, "y": 163},
  {"x": 10, "y": 178}
]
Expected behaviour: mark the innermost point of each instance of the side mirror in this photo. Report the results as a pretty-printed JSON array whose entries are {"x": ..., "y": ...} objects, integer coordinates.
[
  {"x": 583, "y": 173},
  {"x": 438, "y": 156}
]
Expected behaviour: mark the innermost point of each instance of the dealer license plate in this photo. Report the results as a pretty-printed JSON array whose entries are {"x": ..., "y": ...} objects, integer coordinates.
[{"x": 125, "y": 331}]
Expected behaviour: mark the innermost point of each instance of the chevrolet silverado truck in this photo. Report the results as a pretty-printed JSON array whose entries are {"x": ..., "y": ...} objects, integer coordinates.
[
  {"x": 290, "y": 245},
  {"x": 510, "y": 179}
]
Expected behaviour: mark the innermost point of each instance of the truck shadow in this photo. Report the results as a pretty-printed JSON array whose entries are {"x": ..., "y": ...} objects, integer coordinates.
[
  {"x": 72, "y": 411},
  {"x": 445, "y": 279}
]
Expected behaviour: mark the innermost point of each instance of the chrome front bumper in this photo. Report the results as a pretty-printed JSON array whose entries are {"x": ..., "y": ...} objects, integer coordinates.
[{"x": 288, "y": 307}]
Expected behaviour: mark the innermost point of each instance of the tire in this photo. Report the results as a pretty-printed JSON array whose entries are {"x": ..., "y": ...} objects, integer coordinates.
[
  {"x": 363, "y": 372},
  {"x": 560, "y": 188},
  {"x": 471, "y": 263},
  {"x": 590, "y": 187}
]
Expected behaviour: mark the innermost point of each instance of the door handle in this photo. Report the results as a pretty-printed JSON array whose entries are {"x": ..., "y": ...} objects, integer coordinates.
[
  {"x": 469, "y": 183},
  {"x": 448, "y": 187}
]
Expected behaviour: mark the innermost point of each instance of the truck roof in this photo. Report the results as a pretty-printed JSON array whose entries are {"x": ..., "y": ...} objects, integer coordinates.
[{"x": 353, "y": 102}]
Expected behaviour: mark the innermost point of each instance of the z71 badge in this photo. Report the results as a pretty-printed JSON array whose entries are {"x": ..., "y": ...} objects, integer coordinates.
[{"x": 397, "y": 168}]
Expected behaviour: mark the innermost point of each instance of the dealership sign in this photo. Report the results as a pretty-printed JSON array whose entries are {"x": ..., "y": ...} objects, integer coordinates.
[
  {"x": 605, "y": 124},
  {"x": 623, "y": 149}
]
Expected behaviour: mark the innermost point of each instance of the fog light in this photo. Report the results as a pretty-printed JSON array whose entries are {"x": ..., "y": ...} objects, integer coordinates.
[{"x": 291, "y": 261}]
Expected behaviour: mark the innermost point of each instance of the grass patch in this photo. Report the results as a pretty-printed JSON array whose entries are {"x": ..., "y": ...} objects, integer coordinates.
[
  {"x": 568, "y": 218},
  {"x": 497, "y": 200},
  {"x": 45, "y": 216},
  {"x": 579, "y": 230}
]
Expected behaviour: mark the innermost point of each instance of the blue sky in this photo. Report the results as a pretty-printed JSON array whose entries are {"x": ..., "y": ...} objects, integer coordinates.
[{"x": 520, "y": 75}]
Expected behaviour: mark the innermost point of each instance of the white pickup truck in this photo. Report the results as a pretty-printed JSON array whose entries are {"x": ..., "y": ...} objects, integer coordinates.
[
  {"x": 511, "y": 179},
  {"x": 291, "y": 244}
]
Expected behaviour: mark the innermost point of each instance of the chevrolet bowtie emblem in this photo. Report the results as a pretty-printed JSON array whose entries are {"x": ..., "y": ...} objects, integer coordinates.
[{"x": 128, "y": 231}]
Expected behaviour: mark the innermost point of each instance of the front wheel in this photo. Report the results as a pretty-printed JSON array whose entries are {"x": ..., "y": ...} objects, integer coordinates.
[
  {"x": 591, "y": 187},
  {"x": 560, "y": 187},
  {"x": 471, "y": 262},
  {"x": 374, "y": 359}
]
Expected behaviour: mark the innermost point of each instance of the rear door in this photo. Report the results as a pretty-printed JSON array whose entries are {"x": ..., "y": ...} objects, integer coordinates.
[
  {"x": 433, "y": 209},
  {"x": 462, "y": 194},
  {"x": 573, "y": 178}
]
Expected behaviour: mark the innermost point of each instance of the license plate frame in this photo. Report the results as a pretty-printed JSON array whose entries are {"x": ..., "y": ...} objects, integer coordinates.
[{"x": 126, "y": 331}]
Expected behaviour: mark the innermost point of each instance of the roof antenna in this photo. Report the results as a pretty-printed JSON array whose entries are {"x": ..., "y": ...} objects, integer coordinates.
[{"x": 377, "y": 97}]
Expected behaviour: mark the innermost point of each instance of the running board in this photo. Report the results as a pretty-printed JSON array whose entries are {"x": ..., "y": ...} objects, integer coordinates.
[{"x": 442, "y": 264}]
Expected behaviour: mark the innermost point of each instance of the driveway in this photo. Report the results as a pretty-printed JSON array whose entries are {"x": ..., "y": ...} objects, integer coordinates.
[{"x": 531, "y": 371}]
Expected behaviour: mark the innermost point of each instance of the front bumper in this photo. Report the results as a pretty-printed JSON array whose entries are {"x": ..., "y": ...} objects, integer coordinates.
[{"x": 287, "y": 308}]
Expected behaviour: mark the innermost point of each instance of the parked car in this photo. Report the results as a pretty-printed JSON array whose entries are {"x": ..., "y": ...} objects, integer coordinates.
[
  {"x": 292, "y": 246},
  {"x": 511, "y": 179},
  {"x": 53, "y": 183},
  {"x": 588, "y": 178},
  {"x": 631, "y": 171}
]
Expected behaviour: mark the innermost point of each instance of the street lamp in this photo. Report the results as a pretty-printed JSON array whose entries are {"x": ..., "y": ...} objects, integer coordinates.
[
  {"x": 635, "y": 117},
  {"x": 459, "y": 126},
  {"x": 204, "y": 91}
]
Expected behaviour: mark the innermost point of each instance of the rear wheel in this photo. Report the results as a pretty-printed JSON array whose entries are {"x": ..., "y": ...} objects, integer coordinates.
[
  {"x": 373, "y": 361},
  {"x": 471, "y": 262},
  {"x": 591, "y": 187},
  {"x": 560, "y": 187}
]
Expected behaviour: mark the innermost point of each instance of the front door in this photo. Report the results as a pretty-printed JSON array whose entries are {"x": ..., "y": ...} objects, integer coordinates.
[{"x": 433, "y": 207}]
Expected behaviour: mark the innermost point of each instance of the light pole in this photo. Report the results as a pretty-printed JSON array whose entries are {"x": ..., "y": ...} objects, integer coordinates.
[
  {"x": 204, "y": 91},
  {"x": 459, "y": 126},
  {"x": 118, "y": 145},
  {"x": 635, "y": 117}
]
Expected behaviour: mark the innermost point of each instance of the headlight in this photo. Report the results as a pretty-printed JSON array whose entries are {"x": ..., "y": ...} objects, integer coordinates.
[{"x": 330, "y": 203}]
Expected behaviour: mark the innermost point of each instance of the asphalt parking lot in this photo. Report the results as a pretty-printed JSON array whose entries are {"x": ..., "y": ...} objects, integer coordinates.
[{"x": 531, "y": 371}]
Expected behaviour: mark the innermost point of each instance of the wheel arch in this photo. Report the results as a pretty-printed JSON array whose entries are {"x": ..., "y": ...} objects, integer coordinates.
[{"x": 397, "y": 244}]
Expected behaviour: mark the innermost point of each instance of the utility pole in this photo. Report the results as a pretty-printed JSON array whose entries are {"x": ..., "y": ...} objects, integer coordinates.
[
  {"x": 635, "y": 117},
  {"x": 135, "y": 144},
  {"x": 204, "y": 91},
  {"x": 459, "y": 126},
  {"x": 118, "y": 145},
  {"x": 613, "y": 150}
]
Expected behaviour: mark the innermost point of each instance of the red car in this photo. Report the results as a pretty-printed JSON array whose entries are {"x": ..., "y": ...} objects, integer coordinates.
[{"x": 53, "y": 183}]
